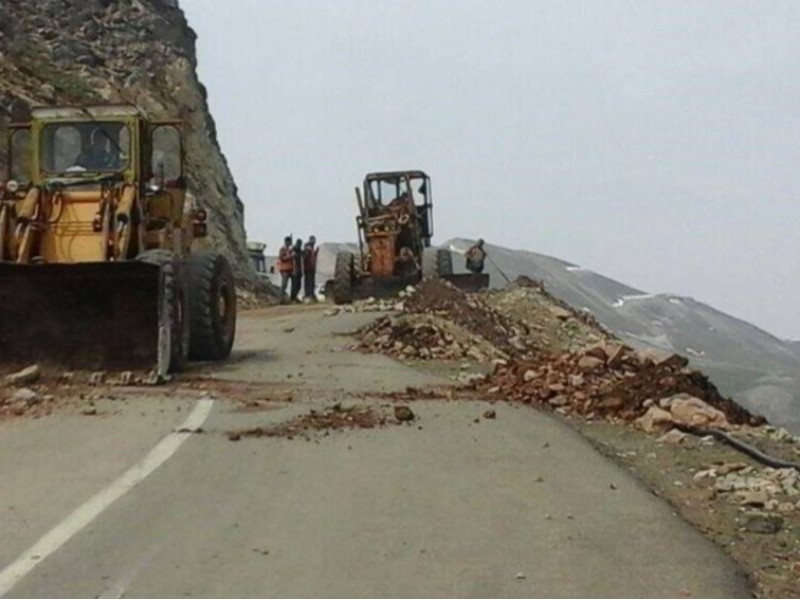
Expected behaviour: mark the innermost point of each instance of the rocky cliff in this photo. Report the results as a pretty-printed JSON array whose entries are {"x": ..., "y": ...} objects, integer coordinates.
[{"x": 130, "y": 51}]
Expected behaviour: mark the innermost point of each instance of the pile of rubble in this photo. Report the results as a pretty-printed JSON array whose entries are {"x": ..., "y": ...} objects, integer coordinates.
[
  {"x": 425, "y": 337},
  {"x": 337, "y": 417},
  {"x": 19, "y": 398},
  {"x": 471, "y": 313},
  {"x": 439, "y": 321},
  {"x": 552, "y": 325},
  {"x": 249, "y": 299},
  {"x": 613, "y": 381},
  {"x": 753, "y": 487},
  {"x": 531, "y": 339}
]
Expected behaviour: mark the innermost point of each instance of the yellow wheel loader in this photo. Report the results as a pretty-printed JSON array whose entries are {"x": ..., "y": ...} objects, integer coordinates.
[{"x": 96, "y": 262}]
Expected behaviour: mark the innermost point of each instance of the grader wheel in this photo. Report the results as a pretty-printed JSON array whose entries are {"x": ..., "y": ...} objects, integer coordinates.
[{"x": 343, "y": 277}]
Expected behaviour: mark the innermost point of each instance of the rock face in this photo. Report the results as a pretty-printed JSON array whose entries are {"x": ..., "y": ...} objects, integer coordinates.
[{"x": 138, "y": 52}]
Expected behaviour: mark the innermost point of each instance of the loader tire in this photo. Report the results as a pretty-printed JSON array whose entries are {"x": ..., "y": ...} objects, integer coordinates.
[
  {"x": 343, "y": 277},
  {"x": 436, "y": 262},
  {"x": 173, "y": 309},
  {"x": 212, "y": 306}
]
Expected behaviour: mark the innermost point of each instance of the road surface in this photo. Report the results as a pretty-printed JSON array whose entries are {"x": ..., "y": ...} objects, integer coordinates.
[{"x": 122, "y": 504}]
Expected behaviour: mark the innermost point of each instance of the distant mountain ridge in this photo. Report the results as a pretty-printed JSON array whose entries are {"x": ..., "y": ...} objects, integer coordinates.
[{"x": 756, "y": 368}]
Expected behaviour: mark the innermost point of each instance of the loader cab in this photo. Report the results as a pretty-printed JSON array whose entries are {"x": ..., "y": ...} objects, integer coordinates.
[
  {"x": 94, "y": 184},
  {"x": 81, "y": 144}
]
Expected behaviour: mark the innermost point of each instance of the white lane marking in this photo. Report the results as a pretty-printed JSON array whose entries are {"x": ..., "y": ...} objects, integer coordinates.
[{"x": 91, "y": 509}]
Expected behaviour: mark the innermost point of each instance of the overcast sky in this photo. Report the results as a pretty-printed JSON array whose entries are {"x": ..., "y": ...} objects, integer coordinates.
[{"x": 657, "y": 143}]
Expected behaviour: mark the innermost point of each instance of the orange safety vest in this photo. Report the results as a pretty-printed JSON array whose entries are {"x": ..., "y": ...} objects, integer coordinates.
[{"x": 285, "y": 264}]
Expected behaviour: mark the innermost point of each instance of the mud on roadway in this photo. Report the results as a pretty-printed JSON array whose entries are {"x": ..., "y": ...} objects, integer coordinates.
[{"x": 326, "y": 470}]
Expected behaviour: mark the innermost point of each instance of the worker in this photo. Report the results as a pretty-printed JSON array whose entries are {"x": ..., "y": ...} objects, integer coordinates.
[
  {"x": 297, "y": 269},
  {"x": 310, "y": 269},
  {"x": 285, "y": 265},
  {"x": 97, "y": 156},
  {"x": 476, "y": 256}
]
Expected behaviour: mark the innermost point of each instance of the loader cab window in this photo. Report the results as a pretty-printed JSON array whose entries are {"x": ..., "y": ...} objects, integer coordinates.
[
  {"x": 166, "y": 161},
  {"x": 20, "y": 158},
  {"x": 74, "y": 148}
]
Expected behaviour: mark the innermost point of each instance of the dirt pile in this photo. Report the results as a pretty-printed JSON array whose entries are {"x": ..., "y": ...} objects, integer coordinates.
[
  {"x": 610, "y": 381},
  {"x": 470, "y": 312},
  {"x": 758, "y": 487},
  {"x": 439, "y": 321},
  {"x": 26, "y": 401},
  {"x": 551, "y": 325},
  {"x": 425, "y": 337},
  {"x": 548, "y": 354},
  {"x": 304, "y": 426}
]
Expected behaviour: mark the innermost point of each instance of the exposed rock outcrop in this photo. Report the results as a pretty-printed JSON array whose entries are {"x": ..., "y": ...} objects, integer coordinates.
[{"x": 127, "y": 51}]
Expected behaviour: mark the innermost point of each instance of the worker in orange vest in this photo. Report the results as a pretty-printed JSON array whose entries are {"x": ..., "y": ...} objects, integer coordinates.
[{"x": 285, "y": 265}]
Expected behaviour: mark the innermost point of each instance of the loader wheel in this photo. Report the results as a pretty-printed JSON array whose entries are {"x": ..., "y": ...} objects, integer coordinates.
[
  {"x": 343, "y": 276},
  {"x": 212, "y": 306},
  {"x": 173, "y": 311},
  {"x": 436, "y": 262}
]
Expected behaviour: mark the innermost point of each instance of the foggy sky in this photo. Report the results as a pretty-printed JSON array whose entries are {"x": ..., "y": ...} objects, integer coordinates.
[{"x": 657, "y": 143}]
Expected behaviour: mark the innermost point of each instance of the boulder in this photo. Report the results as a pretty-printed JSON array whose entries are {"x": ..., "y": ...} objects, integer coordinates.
[
  {"x": 765, "y": 523},
  {"x": 673, "y": 436},
  {"x": 688, "y": 410},
  {"x": 597, "y": 351},
  {"x": 590, "y": 363},
  {"x": 655, "y": 419},
  {"x": 752, "y": 497},
  {"x": 614, "y": 353},
  {"x": 403, "y": 413},
  {"x": 27, "y": 375},
  {"x": 562, "y": 314},
  {"x": 25, "y": 396},
  {"x": 661, "y": 358}
]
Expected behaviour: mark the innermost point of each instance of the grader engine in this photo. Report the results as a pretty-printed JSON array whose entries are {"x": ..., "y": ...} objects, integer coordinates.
[{"x": 96, "y": 261}]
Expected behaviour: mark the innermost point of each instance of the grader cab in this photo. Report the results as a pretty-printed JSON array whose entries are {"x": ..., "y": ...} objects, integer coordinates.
[
  {"x": 97, "y": 267},
  {"x": 395, "y": 227}
]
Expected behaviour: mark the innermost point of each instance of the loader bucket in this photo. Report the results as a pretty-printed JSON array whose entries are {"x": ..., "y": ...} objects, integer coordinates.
[{"x": 84, "y": 316}]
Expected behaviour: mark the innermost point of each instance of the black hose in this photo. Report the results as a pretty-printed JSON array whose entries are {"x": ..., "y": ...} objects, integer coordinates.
[{"x": 752, "y": 451}]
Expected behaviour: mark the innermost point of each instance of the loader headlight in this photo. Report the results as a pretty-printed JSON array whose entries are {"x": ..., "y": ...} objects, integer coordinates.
[{"x": 12, "y": 186}]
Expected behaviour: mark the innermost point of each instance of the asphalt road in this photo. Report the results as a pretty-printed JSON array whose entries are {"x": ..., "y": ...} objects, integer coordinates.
[{"x": 125, "y": 505}]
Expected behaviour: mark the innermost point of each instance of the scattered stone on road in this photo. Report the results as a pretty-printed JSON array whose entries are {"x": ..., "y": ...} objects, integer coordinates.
[
  {"x": 765, "y": 523},
  {"x": 403, "y": 413},
  {"x": 30, "y": 374}
]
